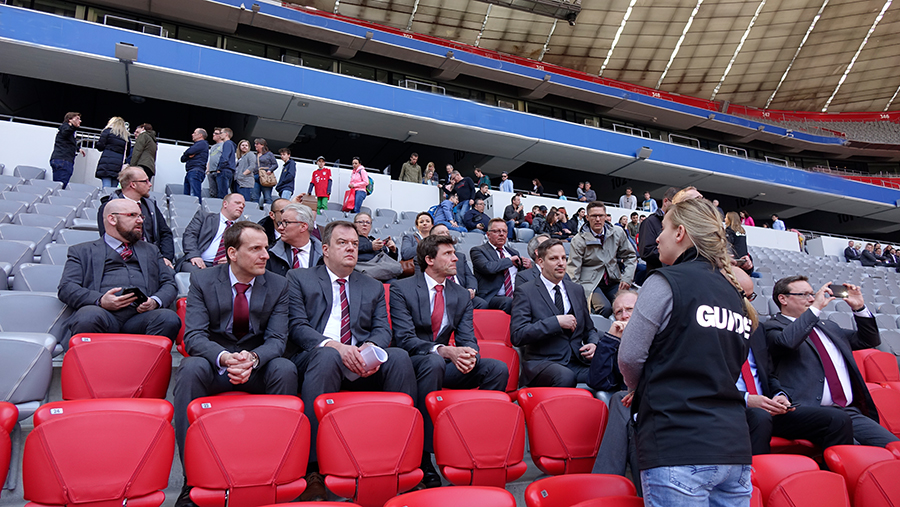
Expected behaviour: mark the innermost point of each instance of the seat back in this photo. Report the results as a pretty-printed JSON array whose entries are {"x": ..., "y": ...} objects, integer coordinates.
[
  {"x": 55, "y": 254},
  {"x": 9, "y": 416},
  {"x": 116, "y": 366},
  {"x": 74, "y": 237},
  {"x": 129, "y": 445},
  {"x": 771, "y": 469},
  {"x": 470, "y": 452},
  {"x": 437, "y": 401},
  {"x": 507, "y": 354},
  {"x": 26, "y": 368},
  {"x": 454, "y": 497},
  {"x": 330, "y": 401},
  {"x": 38, "y": 277},
  {"x": 878, "y": 485},
  {"x": 16, "y": 307},
  {"x": 888, "y": 402},
  {"x": 565, "y": 427},
  {"x": 894, "y": 447},
  {"x": 40, "y": 236},
  {"x": 877, "y": 366},
  {"x": 271, "y": 470},
  {"x": 810, "y": 489},
  {"x": 491, "y": 325},
  {"x": 369, "y": 450},
  {"x": 566, "y": 490},
  {"x": 850, "y": 461},
  {"x": 29, "y": 172}
]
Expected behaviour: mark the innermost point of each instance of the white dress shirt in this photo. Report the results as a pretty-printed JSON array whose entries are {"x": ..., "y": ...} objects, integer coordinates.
[
  {"x": 562, "y": 288},
  {"x": 209, "y": 255},
  {"x": 230, "y": 323},
  {"x": 332, "y": 329},
  {"x": 512, "y": 271}
]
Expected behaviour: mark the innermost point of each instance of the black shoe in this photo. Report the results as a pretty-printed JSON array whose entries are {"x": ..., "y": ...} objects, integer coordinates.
[
  {"x": 431, "y": 479},
  {"x": 184, "y": 499},
  {"x": 315, "y": 488}
]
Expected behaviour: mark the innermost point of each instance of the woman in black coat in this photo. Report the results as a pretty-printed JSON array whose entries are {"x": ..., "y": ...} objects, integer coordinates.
[{"x": 113, "y": 145}]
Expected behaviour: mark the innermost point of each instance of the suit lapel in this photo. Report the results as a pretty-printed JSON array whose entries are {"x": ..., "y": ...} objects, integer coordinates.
[
  {"x": 325, "y": 285},
  {"x": 98, "y": 259},
  {"x": 425, "y": 299},
  {"x": 355, "y": 296},
  {"x": 539, "y": 284},
  {"x": 143, "y": 262},
  {"x": 224, "y": 298},
  {"x": 257, "y": 302}
]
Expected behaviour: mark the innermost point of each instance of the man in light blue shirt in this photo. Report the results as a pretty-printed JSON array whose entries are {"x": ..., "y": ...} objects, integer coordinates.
[
  {"x": 506, "y": 184},
  {"x": 777, "y": 224}
]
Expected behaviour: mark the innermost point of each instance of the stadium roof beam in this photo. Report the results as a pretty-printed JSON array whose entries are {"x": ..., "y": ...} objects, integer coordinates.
[
  {"x": 684, "y": 32},
  {"x": 559, "y": 9},
  {"x": 809, "y": 30},
  {"x": 547, "y": 43},
  {"x": 412, "y": 16},
  {"x": 737, "y": 50},
  {"x": 487, "y": 15},
  {"x": 615, "y": 41}
]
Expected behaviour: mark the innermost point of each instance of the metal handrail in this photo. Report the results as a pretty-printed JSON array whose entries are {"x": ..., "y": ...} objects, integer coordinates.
[
  {"x": 412, "y": 84},
  {"x": 162, "y": 32}
]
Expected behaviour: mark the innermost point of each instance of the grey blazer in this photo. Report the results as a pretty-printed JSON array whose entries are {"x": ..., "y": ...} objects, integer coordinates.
[
  {"x": 210, "y": 307},
  {"x": 281, "y": 258},
  {"x": 80, "y": 282},
  {"x": 797, "y": 364},
  {"x": 310, "y": 296},
  {"x": 534, "y": 327},
  {"x": 489, "y": 268},
  {"x": 411, "y": 316},
  {"x": 199, "y": 233}
]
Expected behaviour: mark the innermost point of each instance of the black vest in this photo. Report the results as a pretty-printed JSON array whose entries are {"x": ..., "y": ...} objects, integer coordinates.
[{"x": 689, "y": 411}]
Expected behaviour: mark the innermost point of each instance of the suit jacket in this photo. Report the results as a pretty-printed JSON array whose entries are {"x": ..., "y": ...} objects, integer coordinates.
[
  {"x": 588, "y": 259},
  {"x": 210, "y": 305},
  {"x": 199, "y": 233},
  {"x": 156, "y": 230},
  {"x": 83, "y": 272},
  {"x": 534, "y": 327},
  {"x": 411, "y": 316},
  {"x": 764, "y": 370},
  {"x": 489, "y": 268},
  {"x": 867, "y": 258},
  {"x": 281, "y": 258},
  {"x": 310, "y": 293},
  {"x": 850, "y": 254},
  {"x": 464, "y": 274},
  {"x": 527, "y": 275},
  {"x": 797, "y": 363}
]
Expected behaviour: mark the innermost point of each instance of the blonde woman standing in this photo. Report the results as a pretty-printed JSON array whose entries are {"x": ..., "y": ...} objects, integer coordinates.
[{"x": 113, "y": 147}]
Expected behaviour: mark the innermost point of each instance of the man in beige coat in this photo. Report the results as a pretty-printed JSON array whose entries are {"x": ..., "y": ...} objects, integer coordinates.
[{"x": 594, "y": 260}]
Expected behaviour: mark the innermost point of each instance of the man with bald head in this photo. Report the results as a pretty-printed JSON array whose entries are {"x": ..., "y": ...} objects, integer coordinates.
[{"x": 119, "y": 283}]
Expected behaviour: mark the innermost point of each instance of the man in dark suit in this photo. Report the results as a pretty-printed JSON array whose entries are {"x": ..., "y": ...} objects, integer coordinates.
[
  {"x": 95, "y": 272},
  {"x": 850, "y": 253},
  {"x": 204, "y": 237},
  {"x": 552, "y": 324},
  {"x": 495, "y": 264},
  {"x": 136, "y": 186},
  {"x": 268, "y": 222},
  {"x": 235, "y": 331},
  {"x": 295, "y": 249},
  {"x": 867, "y": 256},
  {"x": 335, "y": 314},
  {"x": 425, "y": 310},
  {"x": 464, "y": 275},
  {"x": 814, "y": 358}
]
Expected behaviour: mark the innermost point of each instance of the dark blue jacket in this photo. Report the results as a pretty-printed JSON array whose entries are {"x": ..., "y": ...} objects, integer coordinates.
[
  {"x": 65, "y": 147},
  {"x": 286, "y": 182},
  {"x": 200, "y": 152},
  {"x": 228, "y": 162},
  {"x": 112, "y": 157}
]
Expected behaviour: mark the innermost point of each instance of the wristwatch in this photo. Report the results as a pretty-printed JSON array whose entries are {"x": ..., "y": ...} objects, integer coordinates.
[{"x": 255, "y": 360}]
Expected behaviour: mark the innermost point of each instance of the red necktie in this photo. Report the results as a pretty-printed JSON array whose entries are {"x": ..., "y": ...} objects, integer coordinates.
[
  {"x": 220, "y": 253},
  {"x": 748, "y": 378},
  {"x": 834, "y": 383},
  {"x": 345, "y": 313},
  {"x": 241, "y": 324},
  {"x": 126, "y": 252},
  {"x": 296, "y": 263},
  {"x": 507, "y": 280},
  {"x": 437, "y": 314}
]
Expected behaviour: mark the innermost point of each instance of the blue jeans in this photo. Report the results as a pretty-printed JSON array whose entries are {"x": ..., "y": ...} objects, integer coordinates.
[
  {"x": 461, "y": 209},
  {"x": 451, "y": 227},
  {"x": 287, "y": 194},
  {"x": 246, "y": 192},
  {"x": 261, "y": 195},
  {"x": 62, "y": 171},
  {"x": 697, "y": 485},
  {"x": 109, "y": 182},
  {"x": 223, "y": 183},
  {"x": 213, "y": 188},
  {"x": 511, "y": 228},
  {"x": 358, "y": 200},
  {"x": 192, "y": 182}
]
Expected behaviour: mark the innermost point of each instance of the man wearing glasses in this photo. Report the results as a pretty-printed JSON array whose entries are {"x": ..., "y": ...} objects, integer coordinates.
[
  {"x": 270, "y": 221},
  {"x": 495, "y": 265},
  {"x": 813, "y": 357},
  {"x": 136, "y": 187},
  {"x": 204, "y": 237},
  {"x": 296, "y": 249},
  {"x": 119, "y": 283}
]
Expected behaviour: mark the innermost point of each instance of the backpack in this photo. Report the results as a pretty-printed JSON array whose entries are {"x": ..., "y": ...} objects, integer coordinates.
[{"x": 370, "y": 186}]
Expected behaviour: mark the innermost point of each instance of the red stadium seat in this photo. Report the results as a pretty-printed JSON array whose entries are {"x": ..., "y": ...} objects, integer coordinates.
[
  {"x": 269, "y": 469},
  {"x": 756, "y": 498},
  {"x": 778, "y": 445},
  {"x": 9, "y": 416},
  {"x": 565, "y": 427},
  {"x": 850, "y": 461},
  {"x": 455, "y": 497},
  {"x": 565, "y": 490},
  {"x": 99, "y": 452},
  {"x": 181, "y": 309},
  {"x": 771, "y": 469},
  {"x": 507, "y": 354},
  {"x": 879, "y": 486},
  {"x": 894, "y": 447},
  {"x": 369, "y": 445},
  {"x": 116, "y": 366},
  {"x": 878, "y": 367},
  {"x": 810, "y": 489},
  {"x": 612, "y": 501},
  {"x": 491, "y": 325},
  {"x": 479, "y": 437},
  {"x": 315, "y": 504},
  {"x": 888, "y": 403}
]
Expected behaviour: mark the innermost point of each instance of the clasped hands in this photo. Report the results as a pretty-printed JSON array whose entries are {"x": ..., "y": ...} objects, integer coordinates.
[{"x": 238, "y": 365}]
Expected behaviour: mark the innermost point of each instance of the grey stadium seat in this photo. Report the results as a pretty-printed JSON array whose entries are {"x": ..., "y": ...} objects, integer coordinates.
[
  {"x": 888, "y": 309},
  {"x": 885, "y": 321},
  {"x": 845, "y": 320},
  {"x": 335, "y": 205},
  {"x": 408, "y": 215},
  {"x": 12, "y": 208},
  {"x": 90, "y": 189},
  {"x": 601, "y": 323},
  {"x": 29, "y": 199},
  {"x": 29, "y": 172},
  {"x": 86, "y": 196},
  {"x": 55, "y": 253},
  {"x": 179, "y": 199},
  {"x": 54, "y": 186},
  {"x": 16, "y": 253},
  {"x": 38, "y": 278},
  {"x": 75, "y": 202},
  {"x": 331, "y": 215},
  {"x": 40, "y": 236},
  {"x": 5, "y": 270},
  {"x": 73, "y": 237},
  {"x": 26, "y": 367},
  {"x": 31, "y": 189},
  {"x": 18, "y": 308},
  {"x": 10, "y": 180},
  {"x": 212, "y": 205},
  {"x": 48, "y": 221},
  {"x": 67, "y": 212},
  {"x": 183, "y": 282},
  {"x": 387, "y": 213}
]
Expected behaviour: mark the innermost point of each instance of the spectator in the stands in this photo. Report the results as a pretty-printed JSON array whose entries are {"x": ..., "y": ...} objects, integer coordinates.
[
  {"x": 482, "y": 178},
  {"x": 561, "y": 195},
  {"x": 269, "y": 222},
  {"x": 623, "y": 222},
  {"x": 579, "y": 192},
  {"x": 268, "y": 163},
  {"x": 484, "y": 191},
  {"x": 411, "y": 171},
  {"x": 227, "y": 163},
  {"x": 62, "y": 160},
  {"x": 867, "y": 256},
  {"x": 506, "y": 184},
  {"x": 715, "y": 202},
  {"x": 649, "y": 204},
  {"x": 891, "y": 257},
  {"x": 538, "y": 189},
  {"x": 359, "y": 180},
  {"x": 296, "y": 248},
  {"x": 746, "y": 219},
  {"x": 430, "y": 176},
  {"x": 465, "y": 190},
  {"x": 628, "y": 201},
  {"x": 556, "y": 226},
  {"x": 320, "y": 184},
  {"x": 144, "y": 153},
  {"x": 410, "y": 240},
  {"x": 539, "y": 219},
  {"x": 526, "y": 275},
  {"x": 777, "y": 224},
  {"x": 212, "y": 162},
  {"x": 203, "y": 238},
  {"x": 195, "y": 159},
  {"x": 113, "y": 145},
  {"x": 476, "y": 220},
  {"x": 514, "y": 217},
  {"x": 737, "y": 239},
  {"x": 285, "y": 187},
  {"x": 589, "y": 195},
  {"x": 495, "y": 264},
  {"x": 464, "y": 275},
  {"x": 246, "y": 168},
  {"x": 851, "y": 253},
  {"x": 443, "y": 214},
  {"x": 884, "y": 258},
  {"x": 634, "y": 226},
  {"x": 369, "y": 246},
  {"x": 578, "y": 221},
  {"x": 649, "y": 231}
]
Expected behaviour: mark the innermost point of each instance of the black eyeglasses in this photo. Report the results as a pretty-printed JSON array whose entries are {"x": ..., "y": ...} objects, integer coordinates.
[
  {"x": 806, "y": 295},
  {"x": 750, "y": 297},
  {"x": 285, "y": 223},
  {"x": 129, "y": 215}
]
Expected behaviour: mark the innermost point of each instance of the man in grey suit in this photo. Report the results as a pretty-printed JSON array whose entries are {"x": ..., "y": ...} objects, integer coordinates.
[
  {"x": 425, "y": 310},
  {"x": 495, "y": 264},
  {"x": 551, "y": 322},
  {"x": 295, "y": 249},
  {"x": 203, "y": 239},
  {"x": 814, "y": 358},
  {"x": 96, "y": 273},
  {"x": 464, "y": 275},
  {"x": 235, "y": 330},
  {"x": 335, "y": 313}
]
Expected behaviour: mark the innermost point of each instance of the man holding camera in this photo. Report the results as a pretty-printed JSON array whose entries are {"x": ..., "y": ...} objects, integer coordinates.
[{"x": 495, "y": 264}]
